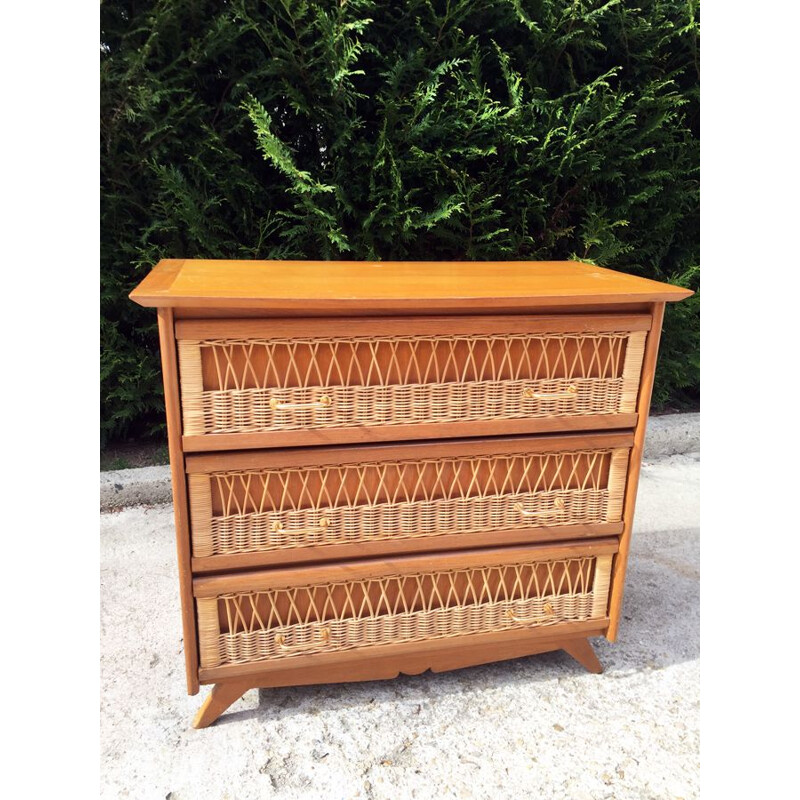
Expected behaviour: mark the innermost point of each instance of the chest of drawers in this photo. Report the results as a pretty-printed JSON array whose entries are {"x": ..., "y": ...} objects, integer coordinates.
[{"x": 385, "y": 468}]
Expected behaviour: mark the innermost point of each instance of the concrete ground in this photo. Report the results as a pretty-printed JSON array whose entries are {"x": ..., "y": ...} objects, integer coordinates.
[{"x": 538, "y": 727}]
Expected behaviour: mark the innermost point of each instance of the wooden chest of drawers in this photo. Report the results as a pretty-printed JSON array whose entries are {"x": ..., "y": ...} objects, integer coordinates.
[{"x": 391, "y": 467}]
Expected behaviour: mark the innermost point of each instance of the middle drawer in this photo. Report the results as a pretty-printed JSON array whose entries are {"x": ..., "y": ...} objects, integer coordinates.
[{"x": 272, "y": 507}]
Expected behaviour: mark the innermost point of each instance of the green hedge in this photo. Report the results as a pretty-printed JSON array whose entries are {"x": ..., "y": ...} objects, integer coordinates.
[{"x": 404, "y": 129}]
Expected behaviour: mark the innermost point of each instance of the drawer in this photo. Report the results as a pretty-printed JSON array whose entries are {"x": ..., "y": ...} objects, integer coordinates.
[
  {"x": 272, "y": 506},
  {"x": 280, "y": 615},
  {"x": 267, "y": 383}
]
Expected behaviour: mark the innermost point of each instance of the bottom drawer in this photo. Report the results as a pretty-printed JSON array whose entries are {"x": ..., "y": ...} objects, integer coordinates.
[{"x": 283, "y": 614}]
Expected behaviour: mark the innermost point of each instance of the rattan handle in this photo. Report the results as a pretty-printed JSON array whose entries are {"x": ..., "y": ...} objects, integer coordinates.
[
  {"x": 570, "y": 394},
  {"x": 323, "y": 402},
  {"x": 547, "y": 609},
  {"x": 323, "y": 524},
  {"x": 324, "y": 634},
  {"x": 558, "y": 503}
]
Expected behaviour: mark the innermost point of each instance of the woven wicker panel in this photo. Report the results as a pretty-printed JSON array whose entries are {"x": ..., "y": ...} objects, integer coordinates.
[
  {"x": 239, "y": 512},
  {"x": 280, "y": 623},
  {"x": 240, "y": 386}
]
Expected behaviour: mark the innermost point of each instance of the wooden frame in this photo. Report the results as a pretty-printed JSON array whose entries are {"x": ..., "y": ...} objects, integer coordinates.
[
  {"x": 263, "y": 301},
  {"x": 645, "y": 395},
  {"x": 169, "y": 368}
]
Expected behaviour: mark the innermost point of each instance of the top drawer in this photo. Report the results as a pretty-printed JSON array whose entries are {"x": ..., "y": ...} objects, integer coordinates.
[{"x": 278, "y": 382}]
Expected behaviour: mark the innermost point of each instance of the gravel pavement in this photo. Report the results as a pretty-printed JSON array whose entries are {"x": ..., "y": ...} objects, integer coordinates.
[{"x": 538, "y": 727}]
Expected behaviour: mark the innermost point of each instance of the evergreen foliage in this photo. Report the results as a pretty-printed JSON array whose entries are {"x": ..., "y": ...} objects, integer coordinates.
[{"x": 394, "y": 129}]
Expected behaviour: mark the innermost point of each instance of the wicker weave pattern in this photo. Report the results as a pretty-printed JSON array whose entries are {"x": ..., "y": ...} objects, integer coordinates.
[
  {"x": 387, "y": 361},
  {"x": 232, "y": 386},
  {"x": 287, "y": 508},
  {"x": 400, "y": 608}
]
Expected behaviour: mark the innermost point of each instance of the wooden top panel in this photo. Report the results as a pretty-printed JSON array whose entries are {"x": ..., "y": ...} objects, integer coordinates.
[{"x": 391, "y": 285}]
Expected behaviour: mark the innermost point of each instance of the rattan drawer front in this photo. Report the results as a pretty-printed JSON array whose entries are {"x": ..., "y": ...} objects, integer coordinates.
[
  {"x": 247, "y": 377},
  {"x": 414, "y": 600},
  {"x": 411, "y": 495}
]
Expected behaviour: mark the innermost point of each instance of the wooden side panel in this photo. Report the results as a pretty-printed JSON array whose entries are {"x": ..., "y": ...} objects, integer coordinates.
[
  {"x": 643, "y": 408},
  {"x": 169, "y": 368}
]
